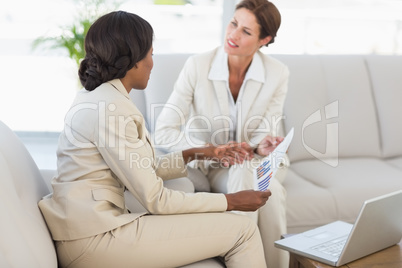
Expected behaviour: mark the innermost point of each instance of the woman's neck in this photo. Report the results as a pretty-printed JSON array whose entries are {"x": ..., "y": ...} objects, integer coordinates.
[{"x": 238, "y": 66}]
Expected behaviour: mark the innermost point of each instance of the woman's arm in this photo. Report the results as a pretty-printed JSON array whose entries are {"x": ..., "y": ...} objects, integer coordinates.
[
  {"x": 248, "y": 200},
  {"x": 228, "y": 154}
]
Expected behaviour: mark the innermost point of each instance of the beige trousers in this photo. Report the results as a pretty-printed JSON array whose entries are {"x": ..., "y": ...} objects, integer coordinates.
[
  {"x": 271, "y": 218},
  {"x": 169, "y": 241}
]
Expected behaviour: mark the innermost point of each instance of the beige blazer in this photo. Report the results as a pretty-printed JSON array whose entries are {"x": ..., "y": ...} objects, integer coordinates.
[
  {"x": 199, "y": 105},
  {"x": 103, "y": 151}
]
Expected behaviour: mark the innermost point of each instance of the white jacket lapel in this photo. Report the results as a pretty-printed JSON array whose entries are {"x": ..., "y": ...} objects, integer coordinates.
[
  {"x": 223, "y": 103},
  {"x": 249, "y": 98}
]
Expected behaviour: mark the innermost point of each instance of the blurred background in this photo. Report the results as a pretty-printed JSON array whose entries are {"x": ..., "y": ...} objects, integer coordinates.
[{"x": 39, "y": 82}]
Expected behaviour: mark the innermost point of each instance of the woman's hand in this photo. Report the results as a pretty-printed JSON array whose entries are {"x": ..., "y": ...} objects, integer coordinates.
[
  {"x": 267, "y": 145},
  {"x": 227, "y": 154},
  {"x": 247, "y": 200},
  {"x": 234, "y": 153}
]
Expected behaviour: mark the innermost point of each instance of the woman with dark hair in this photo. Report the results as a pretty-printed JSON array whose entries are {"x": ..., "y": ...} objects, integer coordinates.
[
  {"x": 105, "y": 150},
  {"x": 239, "y": 92}
]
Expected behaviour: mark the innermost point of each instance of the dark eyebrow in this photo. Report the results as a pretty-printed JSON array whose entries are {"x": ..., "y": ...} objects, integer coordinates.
[{"x": 246, "y": 28}]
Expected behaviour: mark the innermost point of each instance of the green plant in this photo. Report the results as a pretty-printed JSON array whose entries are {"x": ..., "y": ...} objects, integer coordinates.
[{"x": 72, "y": 36}]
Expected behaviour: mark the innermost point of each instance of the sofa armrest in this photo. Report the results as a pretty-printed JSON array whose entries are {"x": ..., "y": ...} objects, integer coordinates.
[{"x": 47, "y": 175}]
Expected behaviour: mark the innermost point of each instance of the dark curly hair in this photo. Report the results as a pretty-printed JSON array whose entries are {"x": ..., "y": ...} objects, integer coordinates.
[
  {"x": 114, "y": 44},
  {"x": 267, "y": 15}
]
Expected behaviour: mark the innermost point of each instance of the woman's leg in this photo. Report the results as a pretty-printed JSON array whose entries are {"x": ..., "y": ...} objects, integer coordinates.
[
  {"x": 272, "y": 224},
  {"x": 170, "y": 241},
  {"x": 271, "y": 218}
]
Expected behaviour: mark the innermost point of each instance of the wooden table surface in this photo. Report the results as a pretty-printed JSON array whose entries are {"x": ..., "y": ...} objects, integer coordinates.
[{"x": 387, "y": 258}]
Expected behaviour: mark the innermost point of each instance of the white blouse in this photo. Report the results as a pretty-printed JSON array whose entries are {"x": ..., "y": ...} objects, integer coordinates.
[{"x": 220, "y": 71}]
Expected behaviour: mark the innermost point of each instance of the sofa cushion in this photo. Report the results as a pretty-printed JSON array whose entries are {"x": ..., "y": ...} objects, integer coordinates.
[
  {"x": 386, "y": 79},
  {"x": 358, "y": 126},
  {"x": 306, "y": 95},
  {"x": 160, "y": 86},
  {"x": 395, "y": 162},
  {"x": 25, "y": 239},
  {"x": 346, "y": 187},
  {"x": 331, "y": 108},
  {"x": 308, "y": 205}
]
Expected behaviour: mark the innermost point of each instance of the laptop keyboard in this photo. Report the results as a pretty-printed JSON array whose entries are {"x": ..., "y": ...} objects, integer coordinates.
[{"x": 333, "y": 247}]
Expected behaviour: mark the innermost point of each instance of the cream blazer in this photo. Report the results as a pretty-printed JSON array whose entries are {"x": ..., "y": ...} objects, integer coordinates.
[
  {"x": 103, "y": 151},
  {"x": 197, "y": 112}
]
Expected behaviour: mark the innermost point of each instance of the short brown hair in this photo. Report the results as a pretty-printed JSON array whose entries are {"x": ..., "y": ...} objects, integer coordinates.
[{"x": 267, "y": 15}]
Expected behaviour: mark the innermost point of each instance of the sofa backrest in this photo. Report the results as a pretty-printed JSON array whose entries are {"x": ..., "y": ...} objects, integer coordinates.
[
  {"x": 25, "y": 240},
  {"x": 386, "y": 79},
  {"x": 339, "y": 105},
  {"x": 163, "y": 76},
  {"x": 330, "y": 104},
  {"x": 344, "y": 106}
]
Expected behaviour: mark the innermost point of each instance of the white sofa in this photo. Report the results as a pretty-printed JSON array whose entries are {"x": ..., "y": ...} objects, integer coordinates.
[
  {"x": 345, "y": 111},
  {"x": 347, "y": 148}
]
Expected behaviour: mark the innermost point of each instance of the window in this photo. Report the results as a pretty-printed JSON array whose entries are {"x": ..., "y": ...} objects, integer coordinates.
[
  {"x": 339, "y": 27},
  {"x": 38, "y": 86}
]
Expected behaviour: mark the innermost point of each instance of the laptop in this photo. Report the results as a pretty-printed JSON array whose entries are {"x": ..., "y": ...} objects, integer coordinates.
[{"x": 378, "y": 226}]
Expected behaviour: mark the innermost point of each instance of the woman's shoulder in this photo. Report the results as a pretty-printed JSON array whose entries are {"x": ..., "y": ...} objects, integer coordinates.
[
  {"x": 204, "y": 57},
  {"x": 112, "y": 90},
  {"x": 109, "y": 96}
]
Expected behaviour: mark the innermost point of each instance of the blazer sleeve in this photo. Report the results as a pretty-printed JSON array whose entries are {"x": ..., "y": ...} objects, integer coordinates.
[
  {"x": 132, "y": 160},
  {"x": 170, "y": 166}
]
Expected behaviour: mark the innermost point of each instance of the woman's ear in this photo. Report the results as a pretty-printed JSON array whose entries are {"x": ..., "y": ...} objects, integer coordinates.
[{"x": 265, "y": 40}]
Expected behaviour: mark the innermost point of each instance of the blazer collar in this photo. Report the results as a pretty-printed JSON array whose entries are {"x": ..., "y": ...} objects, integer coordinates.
[
  {"x": 219, "y": 74},
  {"x": 256, "y": 71},
  {"x": 255, "y": 78},
  {"x": 220, "y": 70},
  {"x": 117, "y": 84}
]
